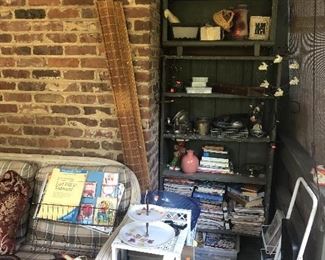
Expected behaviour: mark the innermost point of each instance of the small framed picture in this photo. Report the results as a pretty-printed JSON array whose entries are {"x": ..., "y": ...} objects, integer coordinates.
[{"x": 259, "y": 28}]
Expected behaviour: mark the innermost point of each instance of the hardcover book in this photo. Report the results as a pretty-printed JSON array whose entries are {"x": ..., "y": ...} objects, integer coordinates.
[{"x": 62, "y": 196}]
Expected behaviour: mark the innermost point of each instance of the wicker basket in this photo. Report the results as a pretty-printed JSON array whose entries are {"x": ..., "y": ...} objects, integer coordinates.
[{"x": 224, "y": 19}]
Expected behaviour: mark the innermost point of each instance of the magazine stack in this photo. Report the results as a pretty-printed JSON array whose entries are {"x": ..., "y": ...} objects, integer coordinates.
[
  {"x": 246, "y": 208},
  {"x": 211, "y": 198},
  {"x": 180, "y": 186}
]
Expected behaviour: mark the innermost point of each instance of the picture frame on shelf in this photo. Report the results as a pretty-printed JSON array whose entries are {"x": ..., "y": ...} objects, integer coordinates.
[{"x": 259, "y": 28}]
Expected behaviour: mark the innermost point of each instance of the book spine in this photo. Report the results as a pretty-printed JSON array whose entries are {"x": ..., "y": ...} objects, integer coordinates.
[{"x": 217, "y": 160}]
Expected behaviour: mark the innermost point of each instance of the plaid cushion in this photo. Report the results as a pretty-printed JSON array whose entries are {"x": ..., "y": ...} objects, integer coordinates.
[
  {"x": 77, "y": 237},
  {"x": 27, "y": 171}
]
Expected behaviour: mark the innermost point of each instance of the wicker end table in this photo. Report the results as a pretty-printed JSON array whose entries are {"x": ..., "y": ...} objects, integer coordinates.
[{"x": 171, "y": 250}]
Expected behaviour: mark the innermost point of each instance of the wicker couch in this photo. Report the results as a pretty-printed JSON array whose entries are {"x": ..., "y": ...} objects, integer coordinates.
[{"x": 42, "y": 239}]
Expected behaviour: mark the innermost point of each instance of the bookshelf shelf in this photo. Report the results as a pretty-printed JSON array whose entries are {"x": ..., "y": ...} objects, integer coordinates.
[
  {"x": 227, "y": 232},
  {"x": 214, "y": 95},
  {"x": 216, "y": 139},
  {"x": 226, "y": 178}
]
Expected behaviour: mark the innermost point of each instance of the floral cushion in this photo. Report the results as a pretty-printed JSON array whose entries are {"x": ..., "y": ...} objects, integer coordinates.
[{"x": 14, "y": 193}]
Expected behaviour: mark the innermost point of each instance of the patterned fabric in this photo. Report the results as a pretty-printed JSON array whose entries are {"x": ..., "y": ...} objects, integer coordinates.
[
  {"x": 14, "y": 194},
  {"x": 27, "y": 171},
  {"x": 76, "y": 238}
]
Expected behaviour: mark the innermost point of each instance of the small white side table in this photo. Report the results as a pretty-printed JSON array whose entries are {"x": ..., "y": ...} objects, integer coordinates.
[{"x": 171, "y": 250}]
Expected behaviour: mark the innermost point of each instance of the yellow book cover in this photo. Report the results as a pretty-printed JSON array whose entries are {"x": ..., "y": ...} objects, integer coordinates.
[{"x": 62, "y": 195}]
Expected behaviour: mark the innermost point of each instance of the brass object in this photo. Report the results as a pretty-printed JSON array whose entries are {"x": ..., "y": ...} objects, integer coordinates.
[{"x": 202, "y": 126}]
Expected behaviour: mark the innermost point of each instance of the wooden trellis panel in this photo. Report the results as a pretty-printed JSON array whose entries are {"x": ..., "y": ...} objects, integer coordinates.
[{"x": 122, "y": 79}]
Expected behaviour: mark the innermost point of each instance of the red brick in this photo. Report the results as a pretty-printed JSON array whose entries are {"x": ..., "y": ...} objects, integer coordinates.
[
  {"x": 137, "y": 12},
  {"x": 31, "y": 62},
  {"x": 102, "y": 133},
  {"x": 81, "y": 99},
  {"x": 28, "y": 38},
  {"x": 5, "y": 14},
  {"x": 63, "y": 62},
  {"x": 5, "y": 37},
  {"x": 31, "y": 86},
  {"x": 142, "y": 76},
  {"x": 7, "y": 85},
  {"x": 3, "y": 140},
  {"x": 94, "y": 87},
  {"x": 34, "y": 130},
  {"x": 80, "y": 50},
  {"x": 94, "y": 63},
  {"x": 109, "y": 123},
  {"x": 63, "y": 13},
  {"x": 48, "y": 26},
  {"x": 67, "y": 110},
  {"x": 62, "y": 38},
  {"x": 81, "y": 120},
  {"x": 8, "y": 108},
  {"x": 48, "y": 50},
  {"x": 78, "y": 2},
  {"x": 12, "y": 2},
  {"x": 143, "y": 2},
  {"x": 10, "y": 150},
  {"x": 111, "y": 146},
  {"x": 18, "y": 141},
  {"x": 142, "y": 25},
  {"x": 99, "y": 110},
  {"x": 79, "y": 74},
  {"x": 139, "y": 38},
  {"x": 7, "y": 62},
  {"x": 22, "y": 50},
  {"x": 89, "y": 13},
  {"x": 142, "y": 65},
  {"x": 16, "y": 119},
  {"x": 84, "y": 144},
  {"x": 53, "y": 143},
  {"x": 33, "y": 109},
  {"x": 73, "y": 132},
  {"x": 44, "y": 2},
  {"x": 18, "y": 97},
  {"x": 50, "y": 120},
  {"x": 10, "y": 130},
  {"x": 105, "y": 99},
  {"x": 46, "y": 74},
  {"x": 49, "y": 98},
  {"x": 16, "y": 26},
  {"x": 90, "y": 38},
  {"x": 18, "y": 74}
]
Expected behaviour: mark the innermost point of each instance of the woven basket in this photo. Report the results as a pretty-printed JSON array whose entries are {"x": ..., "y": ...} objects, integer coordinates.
[{"x": 224, "y": 19}]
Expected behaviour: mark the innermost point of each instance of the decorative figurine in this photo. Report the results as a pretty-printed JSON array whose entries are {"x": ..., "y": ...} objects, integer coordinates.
[
  {"x": 179, "y": 151},
  {"x": 224, "y": 19},
  {"x": 256, "y": 118},
  {"x": 170, "y": 16}
]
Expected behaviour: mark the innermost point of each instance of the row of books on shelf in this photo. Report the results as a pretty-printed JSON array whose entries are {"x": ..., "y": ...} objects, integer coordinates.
[
  {"x": 237, "y": 207},
  {"x": 80, "y": 197}
]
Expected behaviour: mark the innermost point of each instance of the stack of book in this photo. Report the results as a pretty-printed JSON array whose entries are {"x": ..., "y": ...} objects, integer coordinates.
[
  {"x": 215, "y": 159},
  {"x": 199, "y": 86},
  {"x": 211, "y": 198},
  {"x": 180, "y": 186},
  {"x": 247, "y": 211}
]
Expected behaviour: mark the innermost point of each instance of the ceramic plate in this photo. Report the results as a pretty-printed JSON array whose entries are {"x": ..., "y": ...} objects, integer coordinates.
[
  {"x": 134, "y": 234},
  {"x": 138, "y": 213}
]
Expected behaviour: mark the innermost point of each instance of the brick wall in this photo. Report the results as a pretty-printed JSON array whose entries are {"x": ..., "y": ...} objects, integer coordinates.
[{"x": 55, "y": 97}]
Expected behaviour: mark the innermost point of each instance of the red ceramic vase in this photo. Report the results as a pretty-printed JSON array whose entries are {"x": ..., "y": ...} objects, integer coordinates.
[{"x": 190, "y": 162}]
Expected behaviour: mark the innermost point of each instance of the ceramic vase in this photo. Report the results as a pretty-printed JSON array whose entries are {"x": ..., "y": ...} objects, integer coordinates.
[
  {"x": 190, "y": 162},
  {"x": 240, "y": 29}
]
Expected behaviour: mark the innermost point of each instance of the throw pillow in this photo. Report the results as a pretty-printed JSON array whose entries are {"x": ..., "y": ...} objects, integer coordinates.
[{"x": 14, "y": 192}]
